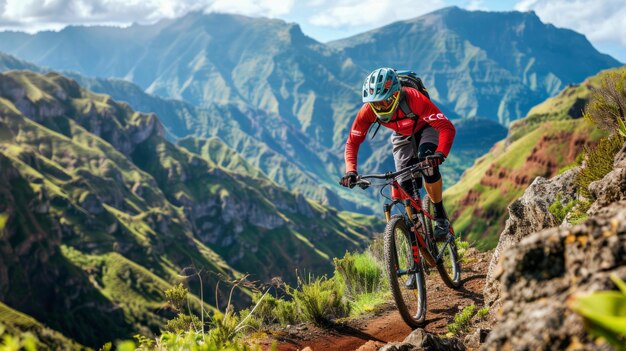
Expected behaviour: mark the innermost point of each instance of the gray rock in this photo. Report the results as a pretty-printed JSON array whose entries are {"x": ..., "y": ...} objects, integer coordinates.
[
  {"x": 420, "y": 340},
  {"x": 543, "y": 270},
  {"x": 527, "y": 215},
  {"x": 399, "y": 346}
]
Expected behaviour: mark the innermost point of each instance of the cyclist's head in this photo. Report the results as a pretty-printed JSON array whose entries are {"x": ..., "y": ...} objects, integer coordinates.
[{"x": 381, "y": 90}]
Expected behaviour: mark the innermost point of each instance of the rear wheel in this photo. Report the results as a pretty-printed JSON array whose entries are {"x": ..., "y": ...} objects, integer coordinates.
[
  {"x": 410, "y": 300},
  {"x": 449, "y": 266}
]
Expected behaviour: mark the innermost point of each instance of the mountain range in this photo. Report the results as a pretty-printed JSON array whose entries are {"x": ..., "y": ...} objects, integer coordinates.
[
  {"x": 244, "y": 79},
  {"x": 101, "y": 204},
  {"x": 541, "y": 144},
  {"x": 231, "y": 166}
]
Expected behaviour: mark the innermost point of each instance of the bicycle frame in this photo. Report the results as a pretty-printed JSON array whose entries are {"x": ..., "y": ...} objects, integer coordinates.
[{"x": 419, "y": 239}]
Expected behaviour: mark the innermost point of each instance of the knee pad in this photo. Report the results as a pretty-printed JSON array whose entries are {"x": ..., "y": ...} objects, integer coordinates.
[{"x": 431, "y": 175}]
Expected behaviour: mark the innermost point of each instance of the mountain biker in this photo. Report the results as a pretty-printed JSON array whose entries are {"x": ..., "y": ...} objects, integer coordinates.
[{"x": 432, "y": 131}]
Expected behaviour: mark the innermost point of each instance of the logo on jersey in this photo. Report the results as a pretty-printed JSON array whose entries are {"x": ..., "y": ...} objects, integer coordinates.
[
  {"x": 405, "y": 122},
  {"x": 356, "y": 133},
  {"x": 435, "y": 117}
]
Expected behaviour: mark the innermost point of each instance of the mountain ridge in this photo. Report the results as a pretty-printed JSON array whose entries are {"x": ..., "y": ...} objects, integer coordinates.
[{"x": 101, "y": 201}]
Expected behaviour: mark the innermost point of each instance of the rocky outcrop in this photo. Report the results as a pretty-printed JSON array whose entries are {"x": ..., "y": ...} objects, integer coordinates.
[
  {"x": 533, "y": 275},
  {"x": 527, "y": 215},
  {"x": 420, "y": 340},
  {"x": 541, "y": 272}
]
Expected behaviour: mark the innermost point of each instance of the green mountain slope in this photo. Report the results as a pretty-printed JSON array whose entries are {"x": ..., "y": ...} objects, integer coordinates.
[
  {"x": 549, "y": 138},
  {"x": 285, "y": 102},
  {"x": 494, "y": 65},
  {"x": 268, "y": 142},
  {"x": 99, "y": 203}
]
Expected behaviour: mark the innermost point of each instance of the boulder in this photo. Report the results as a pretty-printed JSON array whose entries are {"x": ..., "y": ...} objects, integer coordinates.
[
  {"x": 528, "y": 215},
  {"x": 420, "y": 340},
  {"x": 544, "y": 270}
]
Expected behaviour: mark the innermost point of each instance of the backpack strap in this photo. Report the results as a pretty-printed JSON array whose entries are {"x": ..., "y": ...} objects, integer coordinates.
[
  {"x": 376, "y": 131},
  {"x": 404, "y": 106}
]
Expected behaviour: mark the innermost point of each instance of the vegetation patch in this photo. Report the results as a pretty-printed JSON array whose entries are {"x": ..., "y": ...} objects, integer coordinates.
[
  {"x": 558, "y": 210},
  {"x": 320, "y": 300},
  {"x": 605, "y": 313},
  {"x": 598, "y": 162},
  {"x": 463, "y": 319}
]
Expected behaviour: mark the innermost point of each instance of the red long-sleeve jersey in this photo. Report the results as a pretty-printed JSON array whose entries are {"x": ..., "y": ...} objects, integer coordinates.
[{"x": 420, "y": 105}]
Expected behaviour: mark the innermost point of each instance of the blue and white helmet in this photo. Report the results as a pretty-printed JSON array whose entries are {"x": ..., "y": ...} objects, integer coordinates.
[{"x": 381, "y": 90}]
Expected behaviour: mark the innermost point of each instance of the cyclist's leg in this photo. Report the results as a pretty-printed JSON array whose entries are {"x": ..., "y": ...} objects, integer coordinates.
[
  {"x": 433, "y": 181},
  {"x": 404, "y": 156}
]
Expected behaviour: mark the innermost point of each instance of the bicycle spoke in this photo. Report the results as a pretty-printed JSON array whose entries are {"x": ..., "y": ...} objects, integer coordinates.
[{"x": 411, "y": 300}]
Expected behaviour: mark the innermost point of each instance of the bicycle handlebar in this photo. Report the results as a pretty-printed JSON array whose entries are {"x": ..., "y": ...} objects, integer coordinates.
[{"x": 361, "y": 179}]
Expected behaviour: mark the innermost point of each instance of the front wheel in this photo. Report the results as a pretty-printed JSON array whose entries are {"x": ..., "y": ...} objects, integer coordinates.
[{"x": 410, "y": 300}]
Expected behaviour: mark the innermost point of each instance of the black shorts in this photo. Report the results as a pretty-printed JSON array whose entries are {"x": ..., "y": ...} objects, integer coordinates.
[{"x": 404, "y": 153}]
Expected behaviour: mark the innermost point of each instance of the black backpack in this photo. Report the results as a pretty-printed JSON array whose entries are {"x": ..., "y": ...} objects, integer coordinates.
[{"x": 407, "y": 79}]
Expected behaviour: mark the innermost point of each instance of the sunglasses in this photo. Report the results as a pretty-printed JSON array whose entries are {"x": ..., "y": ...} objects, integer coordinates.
[{"x": 385, "y": 105}]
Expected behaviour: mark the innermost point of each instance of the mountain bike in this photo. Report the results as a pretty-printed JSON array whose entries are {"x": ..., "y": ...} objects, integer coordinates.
[{"x": 409, "y": 245}]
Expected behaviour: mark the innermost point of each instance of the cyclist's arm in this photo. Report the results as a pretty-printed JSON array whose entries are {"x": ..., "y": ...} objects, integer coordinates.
[
  {"x": 431, "y": 114},
  {"x": 358, "y": 132}
]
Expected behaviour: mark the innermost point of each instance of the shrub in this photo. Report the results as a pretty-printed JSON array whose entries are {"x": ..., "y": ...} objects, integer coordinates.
[
  {"x": 377, "y": 248},
  {"x": 224, "y": 326},
  {"x": 461, "y": 248},
  {"x": 558, "y": 210},
  {"x": 482, "y": 313},
  {"x": 191, "y": 340},
  {"x": 273, "y": 310},
  {"x": 598, "y": 162},
  {"x": 364, "y": 303},
  {"x": 177, "y": 296},
  {"x": 361, "y": 273},
  {"x": 462, "y": 320},
  {"x": 319, "y": 300},
  {"x": 8, "y": 342},
  {"x": 604, "y": 313},
  {"x": 182, "y": 323},
  {"x": 607, "y": 106}
]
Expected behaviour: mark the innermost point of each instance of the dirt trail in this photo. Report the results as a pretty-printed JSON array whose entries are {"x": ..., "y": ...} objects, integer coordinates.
[{"x": 371, "y": 331}]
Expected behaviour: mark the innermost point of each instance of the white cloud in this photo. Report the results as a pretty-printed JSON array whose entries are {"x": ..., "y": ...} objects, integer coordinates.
[
  {"x": 370, "y": 13},
  {"x": 35, "y": 15},
  {"x": 601, "y": 21},
  {"x": 475, "y": 5},
  {"x": 268, "y": 8}
]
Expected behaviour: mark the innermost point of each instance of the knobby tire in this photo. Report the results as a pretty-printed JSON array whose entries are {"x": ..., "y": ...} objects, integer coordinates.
[
  {"x": 411, "y": 303},
  {"x": 450, "y": 267}
]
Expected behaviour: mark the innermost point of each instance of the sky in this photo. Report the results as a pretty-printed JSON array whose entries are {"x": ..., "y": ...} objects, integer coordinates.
[{"x": 603, "y": 22}]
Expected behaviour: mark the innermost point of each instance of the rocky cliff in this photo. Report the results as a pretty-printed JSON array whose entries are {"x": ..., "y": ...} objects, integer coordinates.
[{"x": 539, "y": 265}]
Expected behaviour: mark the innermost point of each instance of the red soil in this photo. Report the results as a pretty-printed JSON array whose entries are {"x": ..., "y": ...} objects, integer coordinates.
[{"x": 372, "y": 331}]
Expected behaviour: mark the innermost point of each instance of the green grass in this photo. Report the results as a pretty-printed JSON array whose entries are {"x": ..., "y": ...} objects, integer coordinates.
[
  {"x": 17, "y": 323},
  {"x": 360, "y": 273},
  {"x": 598, "y": 162},
  {"x": 462, "y": 320},
  {"x": 320, "y": 300},
  {"x": 559, "y": 210},
  {"x": 368, "y": 302}
]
